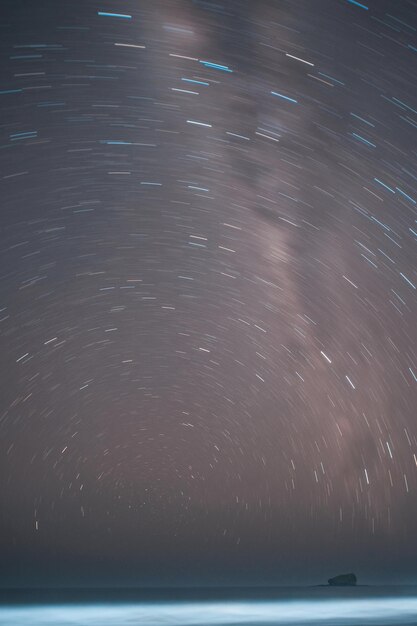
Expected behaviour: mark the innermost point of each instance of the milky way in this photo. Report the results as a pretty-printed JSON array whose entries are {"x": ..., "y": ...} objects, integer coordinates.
[{"x": 208, "y": 290}]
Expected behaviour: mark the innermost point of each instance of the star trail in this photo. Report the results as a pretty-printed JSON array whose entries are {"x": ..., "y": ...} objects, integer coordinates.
[{"x": 208, "y": 290}]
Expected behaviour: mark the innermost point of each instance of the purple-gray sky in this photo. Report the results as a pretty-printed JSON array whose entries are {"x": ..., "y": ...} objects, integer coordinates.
[{"x": 208, "y": 291}]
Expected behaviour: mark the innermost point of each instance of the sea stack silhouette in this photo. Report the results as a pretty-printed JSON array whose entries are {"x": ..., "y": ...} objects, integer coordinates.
[{"x": 343, "y": 580}]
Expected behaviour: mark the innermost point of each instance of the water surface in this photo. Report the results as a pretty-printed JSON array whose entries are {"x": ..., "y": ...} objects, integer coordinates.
[{"x": 290, "y": 607}]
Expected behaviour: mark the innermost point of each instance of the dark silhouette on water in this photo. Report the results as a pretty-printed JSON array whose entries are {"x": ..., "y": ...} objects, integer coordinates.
[{"x": 343, "y": 580}]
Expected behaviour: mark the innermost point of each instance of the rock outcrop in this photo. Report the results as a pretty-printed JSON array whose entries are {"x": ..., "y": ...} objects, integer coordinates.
[{"x": 343, "y": 580}]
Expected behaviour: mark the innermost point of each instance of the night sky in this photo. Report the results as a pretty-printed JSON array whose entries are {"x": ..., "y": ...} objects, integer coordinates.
[{"x": 208, "y": 291}]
